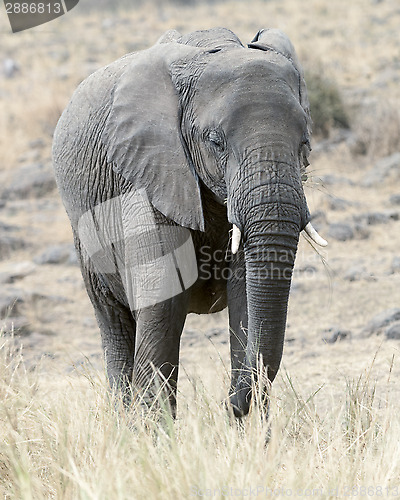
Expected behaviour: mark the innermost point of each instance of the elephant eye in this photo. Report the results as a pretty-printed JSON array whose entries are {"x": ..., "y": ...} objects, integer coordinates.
[{"x": 216, "y": 140}]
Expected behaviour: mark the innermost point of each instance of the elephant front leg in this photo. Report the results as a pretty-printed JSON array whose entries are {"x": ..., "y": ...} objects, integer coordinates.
[
  {"x": 238, "y": 317},
  {"x": 159, "y": 330}
]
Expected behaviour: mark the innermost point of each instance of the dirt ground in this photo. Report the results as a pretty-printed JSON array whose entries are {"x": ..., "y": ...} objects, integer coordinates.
[{"x": 353, "y": 193}]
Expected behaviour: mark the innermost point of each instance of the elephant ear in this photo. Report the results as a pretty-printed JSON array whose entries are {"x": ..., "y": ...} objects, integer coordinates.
[
  {"x": 276, "y": 41},
  {"x": 142, "y": 135}
]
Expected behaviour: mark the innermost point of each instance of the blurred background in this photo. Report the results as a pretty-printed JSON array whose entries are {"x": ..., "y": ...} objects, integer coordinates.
[{"x": 345, "y": 301}]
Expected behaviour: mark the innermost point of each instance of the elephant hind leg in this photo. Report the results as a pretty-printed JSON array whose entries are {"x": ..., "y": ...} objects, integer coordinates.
[{"x": 118, "y": 332}]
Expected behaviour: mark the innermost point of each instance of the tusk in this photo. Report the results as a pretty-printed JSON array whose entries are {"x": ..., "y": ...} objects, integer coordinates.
[
  {"x": 236, "y": 235},
  {"x": 316, "y": 238}
]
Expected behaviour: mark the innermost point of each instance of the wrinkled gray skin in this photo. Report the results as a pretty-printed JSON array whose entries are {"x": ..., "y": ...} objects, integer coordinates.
[{"x": 156, "y": 156}]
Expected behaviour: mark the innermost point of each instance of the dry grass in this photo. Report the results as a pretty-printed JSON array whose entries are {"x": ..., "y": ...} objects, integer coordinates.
[
  {"x": 66, "y": 440},
  {"x": 378, "y": 128}
]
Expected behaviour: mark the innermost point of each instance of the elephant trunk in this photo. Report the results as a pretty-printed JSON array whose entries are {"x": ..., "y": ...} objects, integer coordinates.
[{"x": 273, "y": 211}]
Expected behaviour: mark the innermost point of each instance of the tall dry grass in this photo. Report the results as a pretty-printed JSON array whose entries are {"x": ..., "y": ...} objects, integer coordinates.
[{"x": 67, "y": 440}]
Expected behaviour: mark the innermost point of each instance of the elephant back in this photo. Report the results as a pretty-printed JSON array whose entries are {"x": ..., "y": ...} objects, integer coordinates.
[{"x": 213, "y": 39}]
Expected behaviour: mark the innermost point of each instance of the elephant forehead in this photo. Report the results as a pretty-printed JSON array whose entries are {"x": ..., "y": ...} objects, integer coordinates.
[
  {"x": 246, "y": 70},
  {"x": 251, "y": 95}
]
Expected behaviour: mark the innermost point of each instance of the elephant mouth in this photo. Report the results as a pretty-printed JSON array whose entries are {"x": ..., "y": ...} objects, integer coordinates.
[{"x": 309, "y": 230}]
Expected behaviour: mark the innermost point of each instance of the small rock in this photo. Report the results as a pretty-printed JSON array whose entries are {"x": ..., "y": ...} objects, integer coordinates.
[
  {"x": 33, "y": 180},
  {"x": 357, "y": 273},
  {"x": 361, "y": 231},
  {"x": 215, "y": 332},
  {"x": 37, "y": 144},
  {"x": 374, "y": 218},
  {"x": 395, "y": 199},
  {"x": 336, "y": 333},
  {"x": 339, "y": 204},
  {"x": 58, "y": 254},
  {"x": 386, "y": 77},
  {"x": 341, "y": 232},
  {"x": 318, "y": 217},
  {"x": 17, "y": 325},
  {"x": 330, "y": 179},
  {"x": 6, "y": 228},
  {"x": 395, "y": 265},
  {"x": 17, "y": 272},
  {"x": 30, "y": 156},
  {"x": 10, "y": 302},
  {"x": 338, "y": 136},
  {"x": 357, "y": 146},
  {"x": 383, "y": 169},
  {"x": 10, "y": 67},
  {"x": 381, "y": 320},
  {"x": 393, "y": 331},
  {"x": 9, "y": 244},
  {"x": 295, "y": 286}
]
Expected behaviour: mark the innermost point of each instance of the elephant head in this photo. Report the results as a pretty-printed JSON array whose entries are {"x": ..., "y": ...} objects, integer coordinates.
[{"x": 203, "y": 110}]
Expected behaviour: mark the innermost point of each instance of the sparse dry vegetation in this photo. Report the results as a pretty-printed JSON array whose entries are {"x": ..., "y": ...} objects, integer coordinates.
[
  {"x": 334, "y": 422},
  {"x": 67, "y": 440},
  {"x": 326, "y": 103}
]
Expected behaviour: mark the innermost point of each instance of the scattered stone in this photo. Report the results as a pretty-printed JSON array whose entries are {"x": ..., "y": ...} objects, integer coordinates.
[
  {"x": 383, "y": 169},
  {"x": 357, "y": 273},
  {"x": 10, "y": 67},
  {"x": 338, "y": 136},
  {"x": 357, "y": 146},
  {"x": 14, "y": 301},
  {"x": 341, "y": 231},
  {"x": 58, "y": 254},
  {"x": 16, "y": 325},
  {"x": 395, "y": 199},
  {"x": 335, "y": 333},
  {"x": 10, "y": 302},
  {"x": 30, "y": 156},
  {"x": 339, "y": 204},
  {"x": 387, "y": 76},
  {"x": 215, "y": 332},
  {"x": 379, "y": 321},
  {"x": 295, "y": 286},
  {"x": 17, "y": 272},
  {"x": 395, "y": 265},
  {"x": 318, "y": 217},
  {"x": 393, "y": 331},
  {"x": 33, "y": 180},
  {"x": 9, "y": 244},
  {"x": 373, "y": 218},
  {"x": 361, "y": 231},
  {"x": 38, "y": 143},
  {"x": 330, "y": 179},
  {"x": 6, "y": 228}
]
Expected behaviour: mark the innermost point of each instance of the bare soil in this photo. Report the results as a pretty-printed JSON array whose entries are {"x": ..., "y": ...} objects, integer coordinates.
[{"x": 334, "y": 290}]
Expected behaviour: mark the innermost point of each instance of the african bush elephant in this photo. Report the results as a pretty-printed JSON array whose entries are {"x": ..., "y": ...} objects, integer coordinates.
[{"x": 180, "y": 168}]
